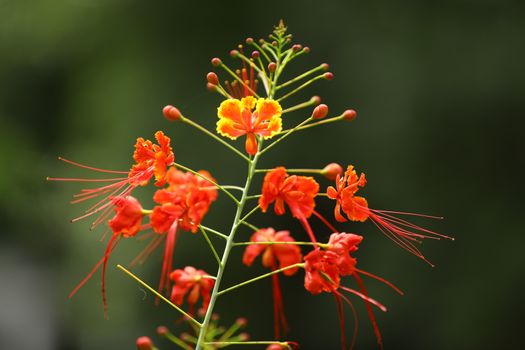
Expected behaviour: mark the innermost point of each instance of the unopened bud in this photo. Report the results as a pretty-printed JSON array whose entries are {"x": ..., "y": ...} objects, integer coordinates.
[
  {"x": 306, "y": 49},
  {"x": 275, "y": 347},
  {"x": 320, "y": 111},
  {"x": 272, "y": 66},
  {"x": 249, "y": 41},
  {"x": 315, "y": 100},
  {"x": 162, "y": 331},
  {"x": 211, "y": 87},
  {"x": 212, "y": 78},
  {"x": 234, "y": 53},
  {"x": 216, "y": 61},
  {"x": 171, "y": 113},
  {"x": 297, "y": 47},
  {"x": 328, "y": 75},
  {"x": 349, "y": 114},
  {"x": 332, "y": 170},
  {"x": 215, "y": 317},
  {"x": 144, "y": 343},
  {"x": 255, "y": 54},
  {"x": 241, "y": 321},
  {"x": 325, "y": 66},
  {"x": 274, "y": 43},
  {"x": 185, "y": 336},
  {"x": 244, "y": 336}
]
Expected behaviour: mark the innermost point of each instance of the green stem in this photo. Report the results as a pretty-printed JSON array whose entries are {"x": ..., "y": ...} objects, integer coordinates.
[
  {"x": 145, "y": 285},
  {"x": 253, "y": 227},
  {"x": 253, "y": 342},
  {"x": 311, "y": 125},
  {"x": 300, "y": 87},
  {"x": 171, "y": 337},
  {"x": 209, "y": 180},
  {"x": 227, "y": 249},
  {"x": 215, "y": 232},
  {"x": 285, "y": 135},
  {"x": 302, "y": 76},
  {"x": 308, "y": 103},
  {"x": 215, "y": 137},
  {"x": 249, "y": 213},
  {"x": 229, "y": 289},
  {"x": 211, "y": 245}
]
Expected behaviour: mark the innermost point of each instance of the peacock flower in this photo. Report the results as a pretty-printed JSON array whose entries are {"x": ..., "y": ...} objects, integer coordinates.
[
  {"x": 192, "y": 284},
  {"x": 238, "y": 117}
]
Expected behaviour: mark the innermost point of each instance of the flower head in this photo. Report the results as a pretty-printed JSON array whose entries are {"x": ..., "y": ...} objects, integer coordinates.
[
  {"x": 298, "y": 192},
  {"x": 344, "y": 193},
  {"x": 342, "y": 244},
  {"x": 321, "y": 271},
  {"x": 283, "y": 254},
  {"x": 128, "y": 218},
  {"x": 192, "y": 284},
  {"x": 238, "y": 117}
]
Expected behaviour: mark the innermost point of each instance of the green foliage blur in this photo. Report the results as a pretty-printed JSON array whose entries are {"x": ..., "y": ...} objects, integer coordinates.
[{"x": 439, "y": 89}]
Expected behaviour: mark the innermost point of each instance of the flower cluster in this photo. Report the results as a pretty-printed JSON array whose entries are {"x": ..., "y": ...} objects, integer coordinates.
[{"x": 184, "y": 196}]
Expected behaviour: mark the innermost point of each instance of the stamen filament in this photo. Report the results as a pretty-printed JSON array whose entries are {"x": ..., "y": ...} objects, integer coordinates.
[
  {"x": 236, "y": 77},
  {"x": 145, "y": 285}
]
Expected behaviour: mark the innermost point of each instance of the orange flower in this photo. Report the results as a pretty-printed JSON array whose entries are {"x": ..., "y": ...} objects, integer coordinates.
[
  {"x": 298, "y": 192},
  {"x": 195, "y": 283},
  {"x": 129, "y": 215},
  {"x": 402, "y": 232},
  {"x": 237, "y": 118},
  {"x": 182, "y": 205},
  {"x": 285, "y": 254}
]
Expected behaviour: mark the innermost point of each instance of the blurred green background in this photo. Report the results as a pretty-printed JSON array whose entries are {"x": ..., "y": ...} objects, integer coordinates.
[{"x": 439, "y": 88}]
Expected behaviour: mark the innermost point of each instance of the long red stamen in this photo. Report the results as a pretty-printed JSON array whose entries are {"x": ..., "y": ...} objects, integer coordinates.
[
  {"x": 114, "y": 239},
  {"x": 341, "y": 316},
  {"x": 279, "y": 316},
  {"x": 369, "y": 310},
  {"x": 326, "y": 222},
  {"x": 91, "y": 168},
  {"x": 308, "y": 230},
  {"x": 391, "y": 285},
  {"x": 167, "y": 263},
  {"x": 146, "y": 252},
  {"x": 354, "y": 314}
]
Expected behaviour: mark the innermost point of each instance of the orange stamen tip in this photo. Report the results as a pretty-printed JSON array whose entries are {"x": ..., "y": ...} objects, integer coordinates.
[
  {"x": 349, "y": 114},
  {"x": 162, "y": 330},
  {"x": 332, "y": 170},
  {"x": 234, "y": 53},
  {"x": 212, "y": 78},
  {"x": 325, "y": 66},
  {"x": 216, "y": 61},
  {"x": 144, "y": 343},
  {"x": 272, "y": 66},
  {"x": 328, "y": 75},
  {"x": 315, "y": 100},
  {"x": 320, "y": 111},
  {"x": 297, "y": 47},
  {"x": 171, "y": 113}
]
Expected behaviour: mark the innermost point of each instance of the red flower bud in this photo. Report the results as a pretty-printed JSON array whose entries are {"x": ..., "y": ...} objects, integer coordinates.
[
  {"x": 315, "y": 100},
  {"x": 171, "y": 113},
  {"x": 212, "y": 78},
  {"x": 234, "y": 53},
  {"x": 244, "y": 336},
  {"x": 320, "y": 111},
  {"x": 249, "y": 41},
  {"x": 297, "y": 47},
  {"x": 328, "y": 75},
  {"x": 272, "y": 66},
  {"x": 241, "y": 321},
  {"x": 162, "y": 331},
  {"x": 211, "y": 87},
  {"x": 144, "y": 343},
  {"x": 332, "y": 170},
  {"x": 306, "y": 49},
  {"x": 255, "y": 54},
  {"x": 325, "y": 66},
  {"x": 349, "y": 114},
  {"x": 216, "y": 62},
  {"x": 275, "y": 347}
]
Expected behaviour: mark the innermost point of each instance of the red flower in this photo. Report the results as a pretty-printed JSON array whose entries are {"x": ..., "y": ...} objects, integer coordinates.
[
  {"x": 150, "y": 160},
  {"x": 321, "y": 272},
  {"x": 182, "y": 205},
  {"x": 298, "y": 192},
  {"x": 285, "y": 254},
  {"x": 402, "y": 232},
  {"x": 342, "y": 244},
  {"x": 129, "y": 215},
  {"x": 195, "y": 283},
  {"x": 236, "y": 119}
]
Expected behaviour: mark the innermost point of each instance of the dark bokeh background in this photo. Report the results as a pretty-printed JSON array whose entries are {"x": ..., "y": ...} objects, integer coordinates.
[{"x": 439, "y": 87}]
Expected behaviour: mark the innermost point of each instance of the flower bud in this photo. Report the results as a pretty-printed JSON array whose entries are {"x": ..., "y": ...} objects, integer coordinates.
[
  {"x": 162, "y": 331},
  {"x": 297, "y": 47},
  {"x": 244, "y": 336},
  {"x": 332, "y": 170},
  {"x": 325, "y": 66},
  {"x": 216, "y": 61},
  {"x": 144, "y": 343},
  {"x": 185, "y": 336},
  {"x": 234, "y": 53},
  {"x": 272, "y": 66},
  {"x": 211, "y": 87},
  {"x": 274, "y": 43},
  {"x": 171, "y": 113},
  {"x": 241, "y": 321},
  {"x": 349, "y": 114},
  {"x": 315, "y": 100},
  {"x": 212, "y": 78},
  {"x": 275, "y": 347},
  {"x": 249, "y": 41},
  {"x": 328, "y": 75},
  {"x": 306, "y": 49},
  {"x": 255, "y": 54},
  {"x": 320, "y": 111}
]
